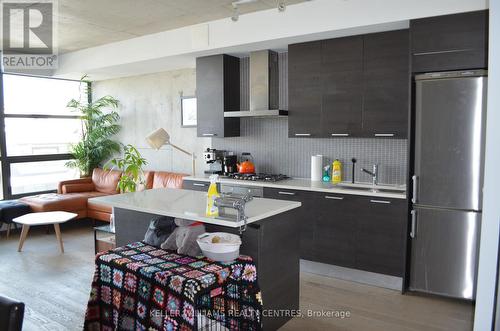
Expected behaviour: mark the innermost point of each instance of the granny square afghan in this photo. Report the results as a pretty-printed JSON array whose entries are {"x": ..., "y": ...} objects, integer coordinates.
[{"x": 142, "y": 287}]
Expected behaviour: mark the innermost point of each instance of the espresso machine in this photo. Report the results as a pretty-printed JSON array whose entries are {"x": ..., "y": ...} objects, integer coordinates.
[
  {"x": 215, "y": 160},
  {"x": 220, "y": 162}
]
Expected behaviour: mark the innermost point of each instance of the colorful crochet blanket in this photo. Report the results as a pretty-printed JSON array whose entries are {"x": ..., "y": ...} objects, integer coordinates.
[{"x": 142, "y": 287}]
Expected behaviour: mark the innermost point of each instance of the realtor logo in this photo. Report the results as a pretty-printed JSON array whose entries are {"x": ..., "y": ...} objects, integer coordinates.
[{"x": 28, "y": 34}]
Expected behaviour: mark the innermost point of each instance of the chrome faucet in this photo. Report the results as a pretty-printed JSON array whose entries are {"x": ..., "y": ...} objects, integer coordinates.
[{"x": 373, "y": 173}]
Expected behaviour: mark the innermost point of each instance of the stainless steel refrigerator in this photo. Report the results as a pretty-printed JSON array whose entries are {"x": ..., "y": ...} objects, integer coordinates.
[{"x": 447, "y": 182}]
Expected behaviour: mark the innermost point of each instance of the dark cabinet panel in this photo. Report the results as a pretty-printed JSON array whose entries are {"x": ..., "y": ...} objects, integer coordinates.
[
  {"x": 306, "y": 215},
  {"x": 304, "y": 89},
  {"x": 217, "y": 90},
  {"x": 359, "y": 88},
  {"x": 380, "y": 235},
  {"x": 450, "y": 42},
  {"x": 334, "y": 233},
  {"x": 342, "y": 85},
  {"x": 195, "y": 185},
  {"x": 386, "y": 80}
]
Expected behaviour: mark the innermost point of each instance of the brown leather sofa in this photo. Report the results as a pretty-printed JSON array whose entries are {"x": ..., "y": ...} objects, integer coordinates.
[{"x": 73, "y": 195}]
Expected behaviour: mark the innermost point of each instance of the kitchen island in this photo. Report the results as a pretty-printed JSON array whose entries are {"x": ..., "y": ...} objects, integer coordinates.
[{"x": 271, "y": 238}]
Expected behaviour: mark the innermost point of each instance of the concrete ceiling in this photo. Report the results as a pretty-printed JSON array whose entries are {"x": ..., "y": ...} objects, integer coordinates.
[{"x": 88, "y": 23}]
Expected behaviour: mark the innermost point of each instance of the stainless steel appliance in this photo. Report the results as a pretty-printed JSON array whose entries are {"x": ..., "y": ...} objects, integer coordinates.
[
  {"x": 447, "y": 183},
  {"x": 215, "y": 159},
  {"x": 258, "y": 177},
  {"x": 253, "y": 191},
  {"x": 264, "y": 87}
]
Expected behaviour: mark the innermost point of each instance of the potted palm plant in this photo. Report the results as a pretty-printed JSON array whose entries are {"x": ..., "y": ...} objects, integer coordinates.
[{"x": 99, "y": 127}]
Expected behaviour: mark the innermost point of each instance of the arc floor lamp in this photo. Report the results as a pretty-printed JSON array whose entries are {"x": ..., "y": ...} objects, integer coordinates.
[{"x": 160, "y": 137}]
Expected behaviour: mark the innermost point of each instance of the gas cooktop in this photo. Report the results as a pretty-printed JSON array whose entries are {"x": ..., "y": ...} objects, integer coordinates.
[{"x": 257, "y": 177}]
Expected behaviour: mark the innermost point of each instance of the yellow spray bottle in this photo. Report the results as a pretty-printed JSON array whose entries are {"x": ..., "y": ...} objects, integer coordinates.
[
  {"x": 336, "y": 171},
  {"x": 212, "y": 209}
]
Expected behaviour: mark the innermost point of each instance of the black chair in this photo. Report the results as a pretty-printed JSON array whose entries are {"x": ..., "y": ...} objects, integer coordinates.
[
  {"x": 11, "y": 209},
  {"x": 11, "y": 314}
]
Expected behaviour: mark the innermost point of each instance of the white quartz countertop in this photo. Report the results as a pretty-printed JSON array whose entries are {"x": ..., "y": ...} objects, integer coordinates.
[
  {"x": 191, "y": 205},
  {"x": 385, "y": 191}
]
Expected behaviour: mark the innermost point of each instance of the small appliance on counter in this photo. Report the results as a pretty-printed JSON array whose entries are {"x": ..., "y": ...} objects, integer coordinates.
[
  {"x": 215, "y": 159},
  {"x": 230, "y": 162}
]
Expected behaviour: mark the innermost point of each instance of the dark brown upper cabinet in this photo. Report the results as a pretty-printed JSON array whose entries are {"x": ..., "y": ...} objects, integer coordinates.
[
  {"x": 451, "y": 42},
  {"x": 386, "y": 78},
  {"x": 342, "y": 86},
  {"x": 359, "y": 88},
  {"x": 217, "y": 91},
  {"x": 304, "y": 89}
]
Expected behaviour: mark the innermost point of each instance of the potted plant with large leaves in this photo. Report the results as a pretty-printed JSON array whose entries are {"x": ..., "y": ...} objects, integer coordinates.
[
  {"x": 99, "y": 126},
  {"x": 130, "y": 165}
]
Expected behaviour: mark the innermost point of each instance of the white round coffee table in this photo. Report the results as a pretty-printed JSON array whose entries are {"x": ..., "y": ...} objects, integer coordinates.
[{"x": 45, "y": 218}]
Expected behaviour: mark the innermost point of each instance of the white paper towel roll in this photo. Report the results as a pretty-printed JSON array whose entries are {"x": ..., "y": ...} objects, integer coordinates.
[{"x": 316, "y": 167}]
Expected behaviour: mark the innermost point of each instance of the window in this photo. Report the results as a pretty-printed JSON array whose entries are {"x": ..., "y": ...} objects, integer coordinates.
[
  {"x": 39, "y": 131},
  {"x": 41, "y": 176},
  {"x": 41, "y": 96}
]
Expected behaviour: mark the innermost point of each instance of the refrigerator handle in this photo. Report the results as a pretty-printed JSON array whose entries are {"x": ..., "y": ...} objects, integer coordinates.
[
  {"x": 414, "y": 185},
  {"x": 413, "y": 223}
]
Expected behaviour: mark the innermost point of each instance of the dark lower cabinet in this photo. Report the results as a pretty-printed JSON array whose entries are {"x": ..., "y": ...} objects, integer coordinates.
[
  {"x": 360, "y": 232},
  {"x": 380, "y": 235},
  {"x": 335, "y": 230},
  {"x": 306, "y": 215},
  {"x": 450, "y": 42}
]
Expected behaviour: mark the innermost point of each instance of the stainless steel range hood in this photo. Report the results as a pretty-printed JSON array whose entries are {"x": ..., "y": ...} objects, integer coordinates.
[{"x": 264, "y": 87}]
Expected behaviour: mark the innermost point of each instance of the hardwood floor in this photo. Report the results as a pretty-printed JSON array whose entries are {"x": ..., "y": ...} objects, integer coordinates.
[{"x": 55, "y": 288}]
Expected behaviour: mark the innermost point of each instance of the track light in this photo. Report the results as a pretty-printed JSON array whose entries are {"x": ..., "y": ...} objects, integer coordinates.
[
  {"x": 236, "y": 13},
  {"x": 281, "y": 5}
]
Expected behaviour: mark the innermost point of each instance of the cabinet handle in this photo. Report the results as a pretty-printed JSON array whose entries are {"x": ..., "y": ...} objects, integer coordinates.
[
  {"x": 333, "y": 198},
  {"x": 286, "y": 193},
  {"x": 302, "y": 135},
  {"x": 414, "y": 184},
  {"x": 384, "y": 134},
  {"x": 209, "y": 134},
  {"x": 444, "y": 52},
  {"x": 340, "y": 134},
  {"x": 413, "y": 223},
  {"x": 380, "y": 201},
  {"x": 199, "y": 184}
]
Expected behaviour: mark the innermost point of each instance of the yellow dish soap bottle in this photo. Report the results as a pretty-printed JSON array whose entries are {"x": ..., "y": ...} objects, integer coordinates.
[
  {"x": 212, "y": 209},
  {"x": 336, "y": 171}
]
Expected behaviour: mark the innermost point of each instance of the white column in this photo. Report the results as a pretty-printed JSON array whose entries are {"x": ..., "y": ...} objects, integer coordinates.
[{"x": 488, "y": 253}]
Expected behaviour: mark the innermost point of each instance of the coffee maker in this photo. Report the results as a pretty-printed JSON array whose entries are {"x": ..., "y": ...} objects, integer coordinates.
[
  {"x": 215, "y": 160},
  {"x": 230, "y": 164}
]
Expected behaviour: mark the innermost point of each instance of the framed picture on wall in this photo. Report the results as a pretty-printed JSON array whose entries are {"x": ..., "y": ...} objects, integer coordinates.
[{"x": 188, "y": 111}]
